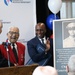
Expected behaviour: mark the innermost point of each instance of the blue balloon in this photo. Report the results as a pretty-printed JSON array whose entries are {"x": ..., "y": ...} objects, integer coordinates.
[{"x": 49, "y": 20}]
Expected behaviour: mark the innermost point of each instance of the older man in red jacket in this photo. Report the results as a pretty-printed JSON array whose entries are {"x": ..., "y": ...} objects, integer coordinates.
[{"x": 7, "y": 55}]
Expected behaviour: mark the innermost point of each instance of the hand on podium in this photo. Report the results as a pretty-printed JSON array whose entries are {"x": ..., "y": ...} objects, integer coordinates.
[{"x": 16, "y": 64}]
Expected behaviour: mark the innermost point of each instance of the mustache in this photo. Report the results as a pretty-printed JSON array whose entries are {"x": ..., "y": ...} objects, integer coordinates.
[{"x": 14, "y": 38}]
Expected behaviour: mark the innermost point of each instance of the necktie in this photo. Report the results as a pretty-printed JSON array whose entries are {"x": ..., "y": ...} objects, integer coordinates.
[
  {"x": 15, "y": 53},
  {"x": 43, "y": 41}
]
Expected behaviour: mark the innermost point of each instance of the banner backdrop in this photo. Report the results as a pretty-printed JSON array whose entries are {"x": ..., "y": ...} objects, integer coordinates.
[{"x": 19, "y": 13}]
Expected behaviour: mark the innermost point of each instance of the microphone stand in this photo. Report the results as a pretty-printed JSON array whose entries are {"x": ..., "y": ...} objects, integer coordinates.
[{"x": 8, "y": 55}]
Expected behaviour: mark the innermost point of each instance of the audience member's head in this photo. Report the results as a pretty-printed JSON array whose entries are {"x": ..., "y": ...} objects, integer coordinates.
[
  {"x": 1, "y": 26},
  {"x": 45, "y": 70},
  {"x": 13, "y": 34},
  {"x": 40, "y": 30},
  {"x": 71, "y": 65}
]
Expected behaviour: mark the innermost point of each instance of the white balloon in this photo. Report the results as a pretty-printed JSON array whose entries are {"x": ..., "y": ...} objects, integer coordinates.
[{"x": 54, "y": 5}]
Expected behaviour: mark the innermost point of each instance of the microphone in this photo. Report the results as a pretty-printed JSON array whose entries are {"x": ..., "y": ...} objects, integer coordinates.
[
  {"x": 6, "y": 43},
  {"x": 3, "y": 43}
]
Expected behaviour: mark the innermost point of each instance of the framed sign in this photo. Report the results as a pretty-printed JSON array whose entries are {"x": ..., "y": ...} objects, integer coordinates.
[{"x": 63, "y": 30}]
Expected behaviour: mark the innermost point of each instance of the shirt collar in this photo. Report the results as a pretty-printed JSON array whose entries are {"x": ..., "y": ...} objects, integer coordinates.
[{"x": 41, "y": 40}]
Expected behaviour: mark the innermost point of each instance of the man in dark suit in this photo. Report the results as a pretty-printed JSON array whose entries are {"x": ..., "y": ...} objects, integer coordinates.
[
  {"x": 7, "y": 55},
  {"x": 40, "y": 50}
]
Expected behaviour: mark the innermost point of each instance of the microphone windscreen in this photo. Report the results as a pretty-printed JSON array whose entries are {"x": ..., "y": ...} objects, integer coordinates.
[{"x": 3, "y": 43}]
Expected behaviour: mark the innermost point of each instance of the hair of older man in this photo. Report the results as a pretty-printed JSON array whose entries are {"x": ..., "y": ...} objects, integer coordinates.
[
  {"x": 13, "y": 27},
  {"x": 45, "y": 70}
]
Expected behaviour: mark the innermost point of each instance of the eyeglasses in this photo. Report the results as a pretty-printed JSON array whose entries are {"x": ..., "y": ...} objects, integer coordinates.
[
  {"x": 39, "y": 30},
  {"x": 17, "y": 33}
]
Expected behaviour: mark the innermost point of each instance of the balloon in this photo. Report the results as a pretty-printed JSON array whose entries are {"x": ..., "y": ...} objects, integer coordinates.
[
  {"x": 49, "y": 20},
  {"x": 54, "y": 5}
]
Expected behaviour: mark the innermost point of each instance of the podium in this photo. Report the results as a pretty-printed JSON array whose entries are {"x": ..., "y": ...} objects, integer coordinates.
[{"x": 18, "y": 70}]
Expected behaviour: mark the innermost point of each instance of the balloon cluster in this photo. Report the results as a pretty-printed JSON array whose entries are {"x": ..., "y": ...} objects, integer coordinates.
[{"x": 54, "y": 6}]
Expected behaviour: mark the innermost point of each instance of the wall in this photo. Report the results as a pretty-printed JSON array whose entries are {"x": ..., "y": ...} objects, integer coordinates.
[{"x": 67, "y": 9}]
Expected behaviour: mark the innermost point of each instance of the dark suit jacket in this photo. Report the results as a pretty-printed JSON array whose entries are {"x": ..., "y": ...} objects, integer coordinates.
[
  {"x": 38, "y": 56},
  {"x": 4, "y": 56}
]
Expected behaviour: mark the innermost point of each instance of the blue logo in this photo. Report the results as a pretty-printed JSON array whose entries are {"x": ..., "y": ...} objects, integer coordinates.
[{"x": 7, "y": 2}]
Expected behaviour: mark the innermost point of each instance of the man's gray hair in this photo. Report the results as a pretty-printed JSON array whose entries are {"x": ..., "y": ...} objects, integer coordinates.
[
  {"x": 71, "y": 63},
  {"x": 12, "y": 27}
]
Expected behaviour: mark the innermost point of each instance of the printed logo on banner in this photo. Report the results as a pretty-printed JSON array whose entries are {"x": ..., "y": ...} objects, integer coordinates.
[{"x": 7, "y": 2}]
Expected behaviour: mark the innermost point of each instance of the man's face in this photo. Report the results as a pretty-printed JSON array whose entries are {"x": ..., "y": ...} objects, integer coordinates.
[
  {"x": 40, "y": 30},
  {"x": 13, "y": 34},
  {"x": 72, "y": 31}
]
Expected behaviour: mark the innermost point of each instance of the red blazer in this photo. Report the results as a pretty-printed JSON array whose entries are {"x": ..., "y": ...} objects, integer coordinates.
[{"x": 21, "y": 53}]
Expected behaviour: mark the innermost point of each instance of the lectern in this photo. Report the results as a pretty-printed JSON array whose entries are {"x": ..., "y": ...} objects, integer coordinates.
[{"x": 19, "y": 70}]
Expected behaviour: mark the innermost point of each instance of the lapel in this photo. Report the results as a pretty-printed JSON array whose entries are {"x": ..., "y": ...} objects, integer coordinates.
[
  {"x": 20, "y": 54},
  {"x": 39, "y": 42},
  {"x": 10, "y": 53}
]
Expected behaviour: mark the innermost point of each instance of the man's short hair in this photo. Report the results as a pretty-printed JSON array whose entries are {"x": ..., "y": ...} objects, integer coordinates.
[
  {"x": 70, "y": 25},
  {"x": 12, "y": 27}
]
